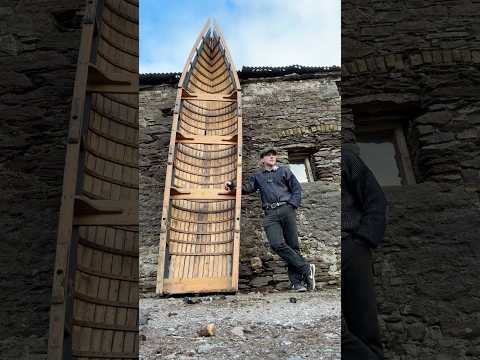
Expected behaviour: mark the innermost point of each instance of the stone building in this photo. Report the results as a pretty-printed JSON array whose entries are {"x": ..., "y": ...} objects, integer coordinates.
[
  {"x": 296, "y": 109},
  {"x": 410, "y": 97}
]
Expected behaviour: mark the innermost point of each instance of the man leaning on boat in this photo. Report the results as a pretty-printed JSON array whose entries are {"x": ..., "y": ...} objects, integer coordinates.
[{"x": 281, "y": 194}]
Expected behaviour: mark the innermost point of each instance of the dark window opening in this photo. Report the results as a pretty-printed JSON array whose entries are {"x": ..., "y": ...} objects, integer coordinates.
[{"x": 384, "y": 150}]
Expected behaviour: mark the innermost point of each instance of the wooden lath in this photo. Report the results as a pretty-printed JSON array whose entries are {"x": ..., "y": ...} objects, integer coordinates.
[
  {"x": 97, "y": 237},
  {"x": 202, "y": 253}
]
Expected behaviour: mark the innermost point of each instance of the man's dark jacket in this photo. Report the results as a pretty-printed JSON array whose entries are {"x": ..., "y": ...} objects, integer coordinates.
[
  {"x": 363, "y": 202},
  {"x": 275, "y": 185}
]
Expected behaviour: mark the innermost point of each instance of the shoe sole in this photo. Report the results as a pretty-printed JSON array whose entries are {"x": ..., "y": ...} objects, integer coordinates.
[
  {"x": 295, "y": 290},
  {"x": 312, "y": 272}
]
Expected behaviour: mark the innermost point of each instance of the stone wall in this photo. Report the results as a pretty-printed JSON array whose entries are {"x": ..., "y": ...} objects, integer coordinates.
[
  {"x": 39, "y": 43},
  {"x": 418, "y": 62},
  {"x": 427, "y": 274},
  {"x": 291, "y": 113}
]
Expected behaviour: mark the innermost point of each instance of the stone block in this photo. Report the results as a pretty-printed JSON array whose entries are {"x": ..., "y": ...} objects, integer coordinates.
[
  {"x": 380, "y": 62},
  {"x": 280, "y": 277},
  {"x": 260, "y": 281},
  {"x": 434, "y": 118},
  {"x": 416, "y": 59},
  {"x": 476, "y": 56},
  {"x": 427, "y": 57},
  {"x": 256, "y": 264}
]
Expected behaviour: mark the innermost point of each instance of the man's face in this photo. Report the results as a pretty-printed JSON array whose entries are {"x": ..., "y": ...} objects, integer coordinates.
[{"x": 269, "y": 159}]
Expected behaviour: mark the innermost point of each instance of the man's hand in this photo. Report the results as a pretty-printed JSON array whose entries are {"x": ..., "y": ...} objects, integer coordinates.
[{"x": 228, "y": 185}]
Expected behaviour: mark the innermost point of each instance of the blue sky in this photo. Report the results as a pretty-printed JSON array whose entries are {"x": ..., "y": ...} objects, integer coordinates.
[{"x": 258, "y": 32}]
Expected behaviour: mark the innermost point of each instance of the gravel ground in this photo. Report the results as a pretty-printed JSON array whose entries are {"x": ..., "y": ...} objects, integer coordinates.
[{"x": 250, "y": 326}]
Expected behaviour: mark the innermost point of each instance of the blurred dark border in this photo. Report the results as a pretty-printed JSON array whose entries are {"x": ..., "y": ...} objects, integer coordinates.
[
  {"x": 39, "y": 44},
  {"x": 414, "y": 66}
]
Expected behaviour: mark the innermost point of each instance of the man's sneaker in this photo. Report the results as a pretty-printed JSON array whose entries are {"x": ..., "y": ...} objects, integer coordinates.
[
  {"x": 298, "y": 288},
  {"x": 310, "y": 278}
]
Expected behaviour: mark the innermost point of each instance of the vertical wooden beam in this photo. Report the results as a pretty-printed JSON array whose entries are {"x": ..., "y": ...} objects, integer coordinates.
[
  {"x": 238, "y": 198},
  {"x": 404, "y": 156},
  {"x": 166, "y": 197},
  {"x": 64, "y": 234}
]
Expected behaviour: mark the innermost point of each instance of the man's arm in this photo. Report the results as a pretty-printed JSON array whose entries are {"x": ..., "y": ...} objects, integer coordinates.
[
  {"x": 295, "y": 188},
  {"x": 248, "y": 187},
  {"x": 371, "y": 198}
]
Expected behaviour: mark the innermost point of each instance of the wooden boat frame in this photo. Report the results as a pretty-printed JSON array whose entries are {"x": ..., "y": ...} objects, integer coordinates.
[
  {"x": 208, "y": 85},
  {"x": 94, "y": 307}
]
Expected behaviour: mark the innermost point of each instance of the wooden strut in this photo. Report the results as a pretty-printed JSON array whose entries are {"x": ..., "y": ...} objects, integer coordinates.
[
  {"x": 204, "y": 96},
  {"x": 99, "y": 81},
  {"x": 206, "y": 139},
  {"x": 203, "y": 256},
  {"x": 200, "y": 194},
  {"x": 104, "y": 212}
]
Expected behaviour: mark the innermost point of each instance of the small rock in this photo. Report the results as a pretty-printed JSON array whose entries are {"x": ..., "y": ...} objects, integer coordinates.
[
  {"x": 143, "y": 337},
  {"x": 143, "y": 319},
  {"x": 238, "y": 331},
  {"x": 248, "y": 330},
  {"x": 256, "y": 264},
  {"x": 170, "y": 314},
  {"x": 205, "y": 348},
  {"x": 207, "y": 331},
  {"x": 293, "y": 300},
  {"x": 189, "y": 300}
]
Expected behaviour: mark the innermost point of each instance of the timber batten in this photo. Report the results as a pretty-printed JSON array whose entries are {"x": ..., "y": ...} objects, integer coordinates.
[
  {"x": 94, "y": 306},
  {"x": 200, "y": 225}
]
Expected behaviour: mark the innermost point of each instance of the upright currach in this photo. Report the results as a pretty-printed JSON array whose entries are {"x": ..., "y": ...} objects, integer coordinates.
[
  {"x": 94, "y": 306},
  {"x": 200, "y": 224}
]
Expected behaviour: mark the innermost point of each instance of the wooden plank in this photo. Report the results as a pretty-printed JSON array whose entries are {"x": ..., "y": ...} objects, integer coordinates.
[
  {"x": 99, "y": 81},
  {"x": 107, "y": 219},
  {"x": 198, "y": 285},
  {"x": 404, "y": 156},
  {"x": 64, "y": 234},
  {"x": 206, "y": 139},
  {"x": 200, "y": 194},
  {"x": 84, "y": 205},
  {"x": 204, "y": 96},
  {"x": 238, "y": 194},
  {"x": 103, "y": 355},
  {"x": 166, "y": 201},
  {"x": 97, "y": 325}
]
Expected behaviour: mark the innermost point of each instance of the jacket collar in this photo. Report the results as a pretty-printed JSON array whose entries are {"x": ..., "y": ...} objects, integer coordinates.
[{"x": 274, "y": 168}]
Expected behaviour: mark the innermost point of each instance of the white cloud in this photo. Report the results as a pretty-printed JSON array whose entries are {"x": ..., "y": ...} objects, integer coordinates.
[{"x": 259, "y": 33}]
